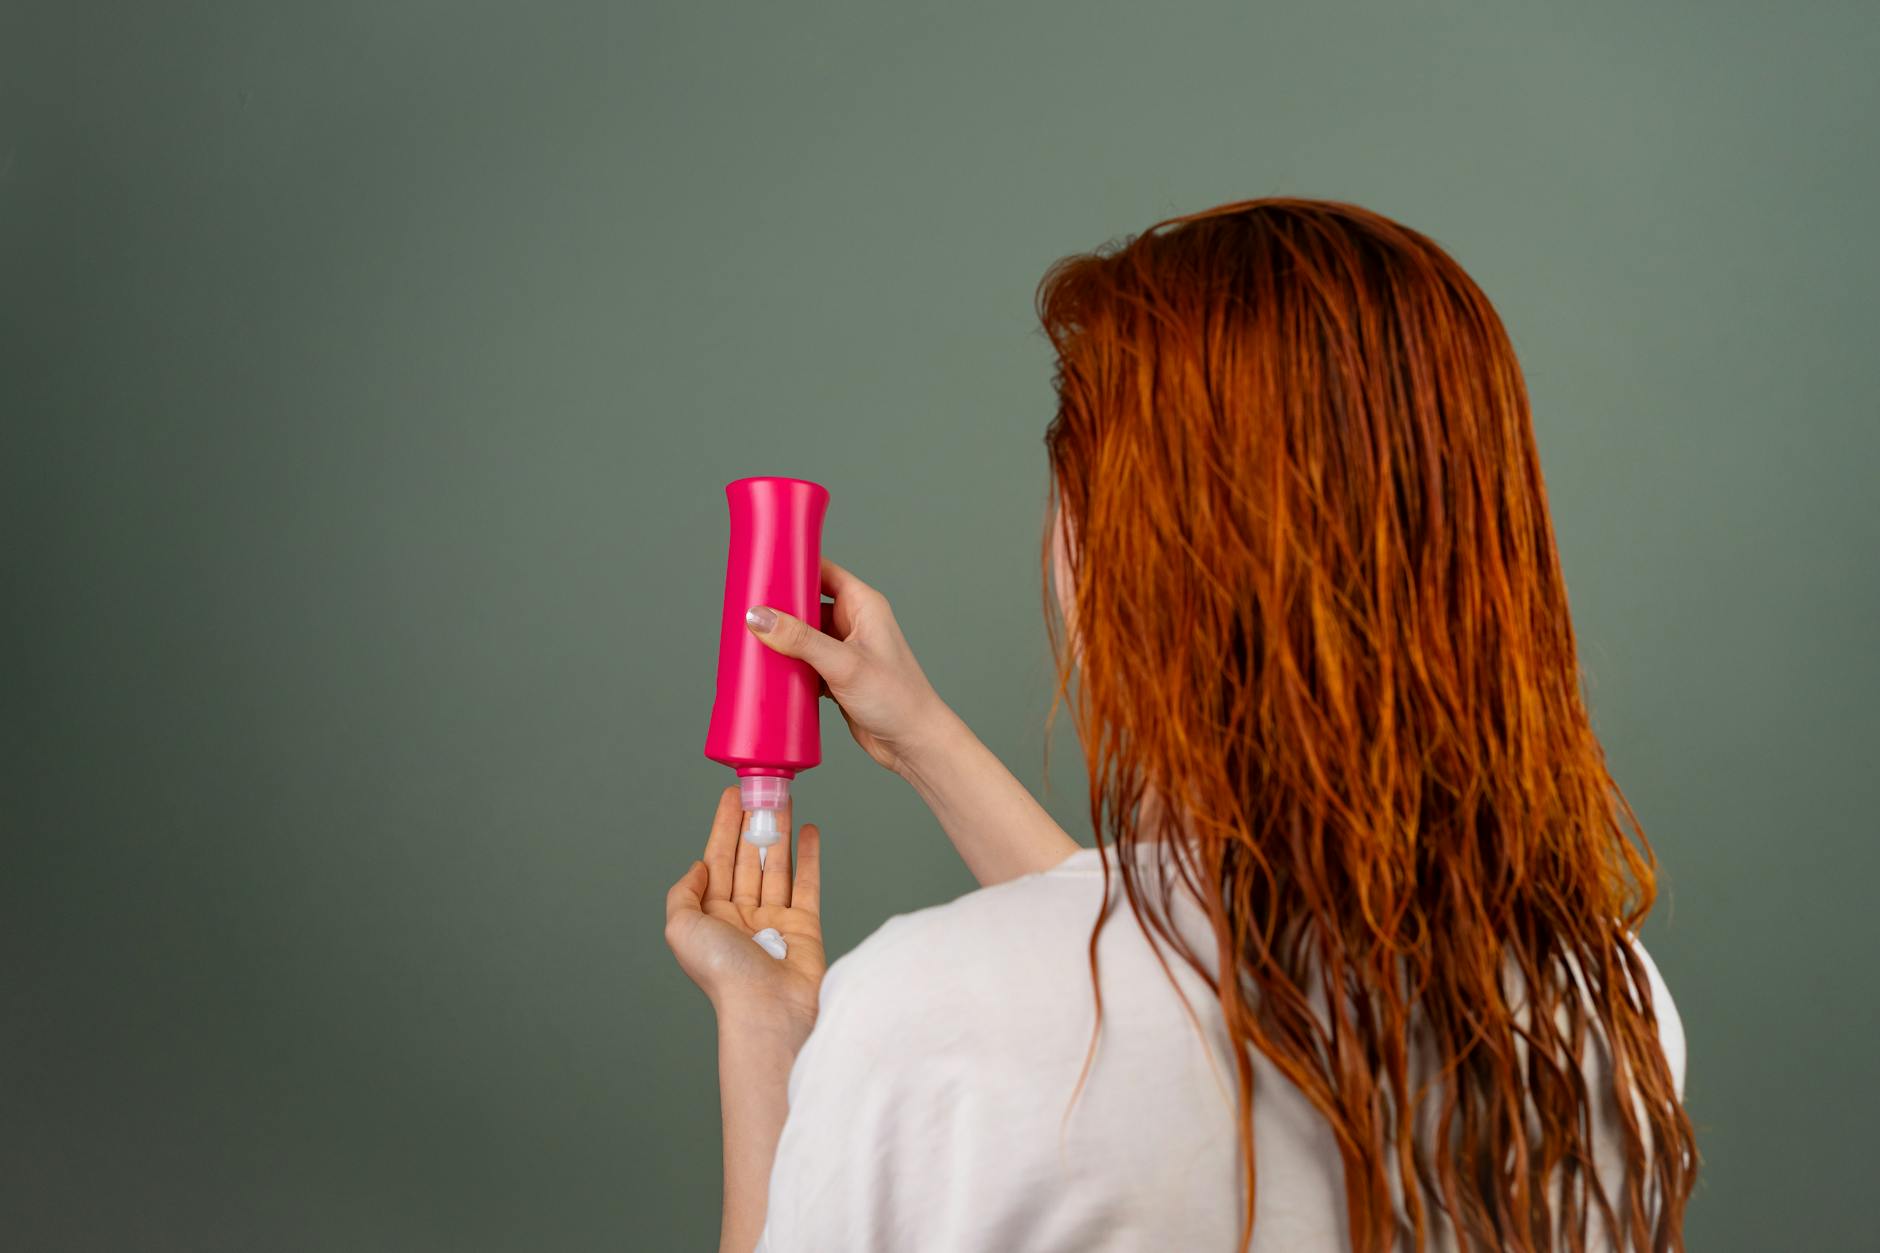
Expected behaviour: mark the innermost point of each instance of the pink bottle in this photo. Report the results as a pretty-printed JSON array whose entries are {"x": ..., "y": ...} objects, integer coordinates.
[{"x": 765, "y": 719}]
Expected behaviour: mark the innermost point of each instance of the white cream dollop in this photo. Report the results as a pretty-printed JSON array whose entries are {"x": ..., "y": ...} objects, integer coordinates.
[{"x": 772, "y": 942}]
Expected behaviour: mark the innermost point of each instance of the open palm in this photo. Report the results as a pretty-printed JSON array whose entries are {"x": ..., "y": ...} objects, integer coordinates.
[{"x": 724, "y": 899}]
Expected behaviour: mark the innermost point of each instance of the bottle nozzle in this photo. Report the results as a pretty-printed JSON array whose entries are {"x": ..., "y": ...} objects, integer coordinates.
[{"x": 763, "y": 797}]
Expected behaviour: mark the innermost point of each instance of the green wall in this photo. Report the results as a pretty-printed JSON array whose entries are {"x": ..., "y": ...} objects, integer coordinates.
[{"x": 369, "y": 372}]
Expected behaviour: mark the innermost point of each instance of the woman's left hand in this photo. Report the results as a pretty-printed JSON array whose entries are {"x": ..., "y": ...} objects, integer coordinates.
[{"x": 722, "y": 901}]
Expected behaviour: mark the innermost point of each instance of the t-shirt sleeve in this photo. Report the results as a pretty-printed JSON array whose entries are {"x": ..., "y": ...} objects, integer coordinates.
[{"x": 864, "y": 1157}]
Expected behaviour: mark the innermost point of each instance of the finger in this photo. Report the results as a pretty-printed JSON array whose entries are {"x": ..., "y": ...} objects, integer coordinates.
[
  {"x": 828, "y": 616},
  {"x": 841, "y": 583},
  {"x": 684, "y": 896},
  {"x": 722, "y": 845},
  {"x": 775, "y": 888},
  {"x": 746, "y": 876},
  {"x": 806, "y": 893},
  {"x": 791, "y": 636},
  {"x": 849, "y": 592}
]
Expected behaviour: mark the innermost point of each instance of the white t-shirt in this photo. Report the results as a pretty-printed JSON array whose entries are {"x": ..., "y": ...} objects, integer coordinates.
[{"x": 927, "y": 1109}]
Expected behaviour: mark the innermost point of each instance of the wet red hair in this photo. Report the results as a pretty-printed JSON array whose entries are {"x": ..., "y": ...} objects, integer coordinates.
[{"x": 1319, "y": 614}]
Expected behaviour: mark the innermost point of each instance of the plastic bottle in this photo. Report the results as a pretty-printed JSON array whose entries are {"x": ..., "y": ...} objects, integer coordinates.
[{"x": 765, "y": 718}]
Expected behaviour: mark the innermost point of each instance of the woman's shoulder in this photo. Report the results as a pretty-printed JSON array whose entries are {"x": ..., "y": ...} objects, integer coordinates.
[
  {"x": 1018, "y": 946},
  {"x": 977, "y": 918},
  {"x": 1670, "y": 1024},
  {"x": 1655, "y": 992},
  {"x": 1004, "y": 928}
]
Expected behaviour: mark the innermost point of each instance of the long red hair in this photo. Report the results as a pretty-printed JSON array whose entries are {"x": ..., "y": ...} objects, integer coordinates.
[{"x": 1318, "y": 614}]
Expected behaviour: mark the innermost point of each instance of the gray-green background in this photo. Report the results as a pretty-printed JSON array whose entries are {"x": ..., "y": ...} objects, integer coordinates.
[{"x": 369, "y": 374}]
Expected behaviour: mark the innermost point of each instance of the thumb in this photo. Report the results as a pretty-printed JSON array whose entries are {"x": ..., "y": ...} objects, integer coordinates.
[
  {"x": 685, "y": 896},
  {"x": 793, "y": 637}
]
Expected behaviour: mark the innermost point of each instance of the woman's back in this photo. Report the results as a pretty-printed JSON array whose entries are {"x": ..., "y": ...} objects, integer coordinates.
[
  {"x": 1311, "y": 624},
  {"x": 928, "y": 1109}
]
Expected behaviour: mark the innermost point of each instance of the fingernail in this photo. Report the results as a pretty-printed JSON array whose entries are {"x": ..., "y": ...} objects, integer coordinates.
[{"x": 760, "y": 617}]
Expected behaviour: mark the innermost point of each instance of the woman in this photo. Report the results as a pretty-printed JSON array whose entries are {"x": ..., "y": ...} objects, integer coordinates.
[{"x": 1382, "y": 989}]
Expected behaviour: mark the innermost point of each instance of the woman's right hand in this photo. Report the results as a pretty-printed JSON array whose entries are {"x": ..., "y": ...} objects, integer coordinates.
[
  {"x": 1000, "y": 830},
  {"x": 866, "y": 666}
]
